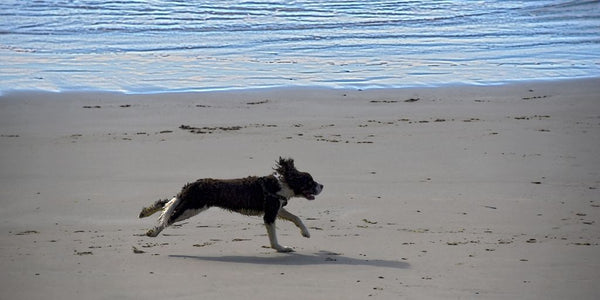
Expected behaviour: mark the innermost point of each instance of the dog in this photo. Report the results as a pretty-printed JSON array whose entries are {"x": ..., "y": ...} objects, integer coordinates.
[{"x": 254, "y": 196}]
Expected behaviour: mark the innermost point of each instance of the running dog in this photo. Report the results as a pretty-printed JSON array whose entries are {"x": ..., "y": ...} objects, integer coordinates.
[{"x": 253, "y": 196}]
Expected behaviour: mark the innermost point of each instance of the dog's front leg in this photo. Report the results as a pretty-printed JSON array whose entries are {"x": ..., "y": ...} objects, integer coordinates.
[
  {"x": 272, "y": 207},
  {"x": 286, "y": 215},
  {"x": 271, "y": 231}
]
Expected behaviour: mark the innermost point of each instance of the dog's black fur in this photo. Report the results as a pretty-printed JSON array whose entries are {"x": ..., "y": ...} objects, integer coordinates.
[{"x": 253, "y": 195}]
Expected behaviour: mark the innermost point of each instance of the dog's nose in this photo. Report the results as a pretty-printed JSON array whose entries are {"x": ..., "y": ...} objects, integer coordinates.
[{"x": 319, "y": 188}]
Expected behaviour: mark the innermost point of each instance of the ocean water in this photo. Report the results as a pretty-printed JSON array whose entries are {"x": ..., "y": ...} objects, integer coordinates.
[{"x": 161, "y": 46}]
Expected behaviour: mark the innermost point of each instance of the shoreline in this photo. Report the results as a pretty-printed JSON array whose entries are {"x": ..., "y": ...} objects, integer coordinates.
[
  {"x": 9, "y": 92},
  {"x": 449, "y": 192}
]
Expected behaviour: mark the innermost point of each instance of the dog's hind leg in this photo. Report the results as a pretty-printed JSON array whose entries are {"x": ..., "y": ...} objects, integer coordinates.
[
  {"x": 165, "y": 217},
  {"x": 182, "y": 214},
  {"x": 155, "y": 207},
  {"x": 174, "y": 211}
]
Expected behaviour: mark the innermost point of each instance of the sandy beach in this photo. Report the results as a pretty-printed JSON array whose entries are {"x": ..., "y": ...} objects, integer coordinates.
[{"x": 459, "y": 192}]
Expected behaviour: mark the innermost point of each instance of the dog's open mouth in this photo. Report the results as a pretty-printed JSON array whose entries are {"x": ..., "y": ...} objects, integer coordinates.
[
  {"x": 308, "y": 196},
  {"x": 311, "y": 193}
]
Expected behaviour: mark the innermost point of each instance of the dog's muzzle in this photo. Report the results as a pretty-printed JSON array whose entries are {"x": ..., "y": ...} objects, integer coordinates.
[{"x": 317, "y": 190}]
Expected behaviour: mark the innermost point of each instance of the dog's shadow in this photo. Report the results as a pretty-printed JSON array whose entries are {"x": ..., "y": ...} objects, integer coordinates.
[{"x": 298, "y": 259}]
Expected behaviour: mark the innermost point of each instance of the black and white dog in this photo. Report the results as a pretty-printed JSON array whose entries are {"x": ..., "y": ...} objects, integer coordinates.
[{"x": 253, "y": 196}]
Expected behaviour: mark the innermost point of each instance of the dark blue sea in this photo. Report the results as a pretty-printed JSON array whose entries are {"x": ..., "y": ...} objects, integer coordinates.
[{"x": 166, "y": 46}]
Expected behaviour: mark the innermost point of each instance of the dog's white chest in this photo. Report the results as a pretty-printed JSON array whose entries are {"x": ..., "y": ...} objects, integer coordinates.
[{"x": 285, "y": 191}]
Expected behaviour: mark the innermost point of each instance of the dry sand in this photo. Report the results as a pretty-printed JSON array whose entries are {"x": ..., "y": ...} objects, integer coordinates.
[{"x": 434, "y": 193}]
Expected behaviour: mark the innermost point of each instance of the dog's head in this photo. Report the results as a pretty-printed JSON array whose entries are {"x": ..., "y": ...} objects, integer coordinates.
[{"x": 301, "y": 183}]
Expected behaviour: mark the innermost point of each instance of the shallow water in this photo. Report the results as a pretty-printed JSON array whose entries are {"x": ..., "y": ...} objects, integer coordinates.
[{"x": 153, "y": 46}]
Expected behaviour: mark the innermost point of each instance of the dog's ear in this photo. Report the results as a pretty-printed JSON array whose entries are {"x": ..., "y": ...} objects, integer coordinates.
[{"x": 284, "y": 165}]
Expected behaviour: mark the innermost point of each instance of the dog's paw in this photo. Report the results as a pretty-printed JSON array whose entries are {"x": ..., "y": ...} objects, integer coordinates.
[
  {"x": 306, "y": 234},
  {"x": 283, "y": 249},
  {"x": 152, "y": 233}
]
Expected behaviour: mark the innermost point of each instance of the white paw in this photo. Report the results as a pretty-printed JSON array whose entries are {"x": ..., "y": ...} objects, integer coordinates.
[{"x": 283, "y": 249}]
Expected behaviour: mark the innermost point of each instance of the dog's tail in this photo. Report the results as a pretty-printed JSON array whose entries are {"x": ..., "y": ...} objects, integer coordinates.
[{"x": 152, "y": 209}]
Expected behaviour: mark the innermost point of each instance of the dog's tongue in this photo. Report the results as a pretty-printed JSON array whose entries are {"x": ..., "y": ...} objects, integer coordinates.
[{"x": 309, "y": 196}]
